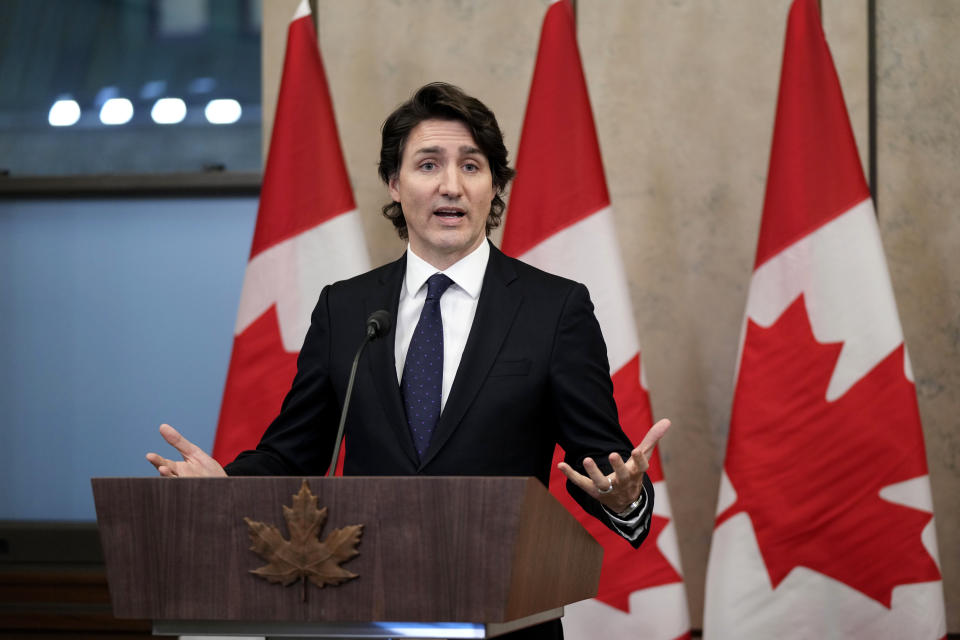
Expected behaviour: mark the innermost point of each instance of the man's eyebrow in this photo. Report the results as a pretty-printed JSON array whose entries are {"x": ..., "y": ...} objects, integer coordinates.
[
  {"x": 464, "y": 150},
  {"x": 428, "y": 150}
]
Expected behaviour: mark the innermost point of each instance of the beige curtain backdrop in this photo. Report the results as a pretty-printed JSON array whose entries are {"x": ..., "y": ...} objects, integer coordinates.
[{"x": 684, "y": 93}]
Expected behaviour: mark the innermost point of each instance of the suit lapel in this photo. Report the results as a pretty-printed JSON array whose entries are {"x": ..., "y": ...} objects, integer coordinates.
[
  {"x": 381, "y": 360},
  {"x": 496, "y": 311}
]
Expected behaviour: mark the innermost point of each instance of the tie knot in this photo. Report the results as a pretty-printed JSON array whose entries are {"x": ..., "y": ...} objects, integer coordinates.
[{"x": 436, "y": 285}]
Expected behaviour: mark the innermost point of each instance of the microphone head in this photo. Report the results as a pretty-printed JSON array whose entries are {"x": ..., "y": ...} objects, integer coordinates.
[{"x": 378, "y": 324}]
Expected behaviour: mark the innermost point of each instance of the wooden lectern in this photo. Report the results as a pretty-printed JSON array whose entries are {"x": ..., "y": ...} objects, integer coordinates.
[{"x": 447, "y": 557}]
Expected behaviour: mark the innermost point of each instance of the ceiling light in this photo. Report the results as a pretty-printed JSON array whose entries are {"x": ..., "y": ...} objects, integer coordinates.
[
  {"x": 222, "y": 111},
  {"x": 116, "y": 111},
  {"x": 64, "y": 113},
  {"x": 168, "y": 111}
]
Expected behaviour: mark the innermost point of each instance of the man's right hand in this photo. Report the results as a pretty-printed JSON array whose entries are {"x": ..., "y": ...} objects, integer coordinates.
[{"x": 196, "y": 463}]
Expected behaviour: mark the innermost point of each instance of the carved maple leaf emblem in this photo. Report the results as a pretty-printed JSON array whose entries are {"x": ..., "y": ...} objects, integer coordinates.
[
  {"x": 809, "y": 472},
  {"x": 304, "y": 556}
]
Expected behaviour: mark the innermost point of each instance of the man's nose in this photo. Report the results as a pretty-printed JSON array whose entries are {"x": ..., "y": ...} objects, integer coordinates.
[{"x": 450, "y": 182}]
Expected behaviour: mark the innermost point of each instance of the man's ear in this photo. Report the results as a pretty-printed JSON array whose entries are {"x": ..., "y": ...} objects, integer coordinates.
[{"x": 394, "y": 191}]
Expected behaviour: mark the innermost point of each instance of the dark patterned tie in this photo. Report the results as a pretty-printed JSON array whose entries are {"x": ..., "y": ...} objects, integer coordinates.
[{"x": 423, "y": 369}]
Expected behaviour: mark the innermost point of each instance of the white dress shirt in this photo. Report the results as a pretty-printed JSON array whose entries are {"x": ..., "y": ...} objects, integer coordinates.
[{"x": 458, "y": 305}]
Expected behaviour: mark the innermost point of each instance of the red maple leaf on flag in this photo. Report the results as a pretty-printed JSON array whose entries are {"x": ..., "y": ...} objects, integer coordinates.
[
  {"x": 809, "y": 472},
  {"x": 625, "y": 569},
  {"x": 260, "y": 374}
]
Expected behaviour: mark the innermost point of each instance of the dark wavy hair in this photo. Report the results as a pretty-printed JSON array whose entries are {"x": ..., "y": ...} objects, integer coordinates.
[{"x": 442, "y": 101}]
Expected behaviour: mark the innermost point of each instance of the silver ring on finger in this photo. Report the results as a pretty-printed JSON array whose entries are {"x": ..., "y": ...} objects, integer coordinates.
[{"x": 607, "y": 490}]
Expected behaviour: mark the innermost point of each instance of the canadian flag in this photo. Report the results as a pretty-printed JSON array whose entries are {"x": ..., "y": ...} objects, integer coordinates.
[
  {"x": 560, "y": 220},
  {"x": 825, "y": 523},
  {"x": 308, "y": 233}
]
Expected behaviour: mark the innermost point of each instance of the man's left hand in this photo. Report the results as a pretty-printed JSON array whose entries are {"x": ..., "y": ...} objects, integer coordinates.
[{"x": 620, "y": 489}]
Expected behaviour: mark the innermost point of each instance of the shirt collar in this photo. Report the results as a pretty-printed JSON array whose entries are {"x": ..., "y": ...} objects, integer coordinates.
[{"x": 467, "y": 273}]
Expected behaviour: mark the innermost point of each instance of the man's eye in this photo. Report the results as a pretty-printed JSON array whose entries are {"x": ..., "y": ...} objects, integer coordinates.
[
  {"x": 428, "y": 166},
  {"x": 470, "y": 167}
]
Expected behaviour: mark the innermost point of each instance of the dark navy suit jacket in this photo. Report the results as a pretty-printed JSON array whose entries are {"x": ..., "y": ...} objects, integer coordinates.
[{"x": 534, "y": 373}]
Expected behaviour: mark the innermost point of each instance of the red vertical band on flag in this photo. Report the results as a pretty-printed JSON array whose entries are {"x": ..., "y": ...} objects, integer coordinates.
[
  {"x": 305, "y": 181},
  {"x": 815, "y": 172},
  {"x": 558, "y": 144}
]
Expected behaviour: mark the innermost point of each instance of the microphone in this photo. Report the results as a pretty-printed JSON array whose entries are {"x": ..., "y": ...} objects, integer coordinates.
[{"x": 378, "y": 325}]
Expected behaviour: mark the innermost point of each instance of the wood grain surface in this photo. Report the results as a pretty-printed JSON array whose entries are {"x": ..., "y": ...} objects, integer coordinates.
[{"x": 433, "y": 549}]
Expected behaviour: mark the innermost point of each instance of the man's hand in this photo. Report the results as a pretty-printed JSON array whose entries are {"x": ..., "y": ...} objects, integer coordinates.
[
  {"x": 196, "y": 463},
  {"x": 620, "y": 489}
]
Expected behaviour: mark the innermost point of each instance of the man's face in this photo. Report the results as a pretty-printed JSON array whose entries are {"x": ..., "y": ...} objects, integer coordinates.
[{"x": 445, "y": 188}]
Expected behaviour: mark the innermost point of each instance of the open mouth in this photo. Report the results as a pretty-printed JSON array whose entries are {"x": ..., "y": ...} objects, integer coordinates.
[{"x": 449, "y": 212}]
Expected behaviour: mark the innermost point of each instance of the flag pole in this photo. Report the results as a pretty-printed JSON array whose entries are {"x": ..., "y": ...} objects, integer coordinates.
[{"x": 872, "y": 101}]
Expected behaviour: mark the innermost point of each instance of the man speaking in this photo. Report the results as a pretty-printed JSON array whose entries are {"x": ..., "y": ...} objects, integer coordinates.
[{"x": 491, "y": 362}]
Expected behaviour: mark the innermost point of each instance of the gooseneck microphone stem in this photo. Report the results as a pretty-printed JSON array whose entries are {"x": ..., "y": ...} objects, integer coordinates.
[
  {"x": 378, "y": 324},
  {"x": 346, "y": 404}
]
